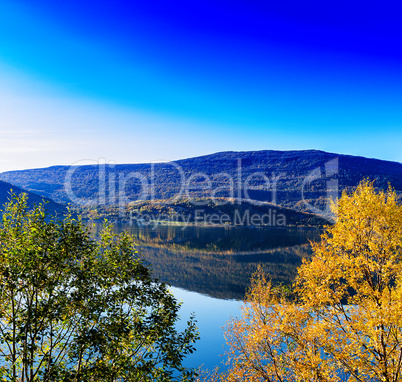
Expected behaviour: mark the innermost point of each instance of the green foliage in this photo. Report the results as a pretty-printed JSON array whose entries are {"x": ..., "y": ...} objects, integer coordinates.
[{"x": 77, "y": 309}]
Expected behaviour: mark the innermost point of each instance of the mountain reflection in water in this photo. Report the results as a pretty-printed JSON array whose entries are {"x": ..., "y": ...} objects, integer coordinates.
[{"x": 219, "y": 261}]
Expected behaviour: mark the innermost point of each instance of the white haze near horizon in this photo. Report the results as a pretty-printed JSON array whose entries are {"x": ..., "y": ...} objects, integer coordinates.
[{"x": 41, "y": 126}]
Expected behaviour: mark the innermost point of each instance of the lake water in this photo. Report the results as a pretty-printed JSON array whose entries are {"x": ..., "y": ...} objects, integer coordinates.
[{"x": 209, "y": 270}]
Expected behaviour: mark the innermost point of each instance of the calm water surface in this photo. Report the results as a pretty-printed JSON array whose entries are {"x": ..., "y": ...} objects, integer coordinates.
[{"x": 209, "y": 270}]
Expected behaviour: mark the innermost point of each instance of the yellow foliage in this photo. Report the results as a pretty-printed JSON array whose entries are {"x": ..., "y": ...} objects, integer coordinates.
[{"x": 343, "y": 319}]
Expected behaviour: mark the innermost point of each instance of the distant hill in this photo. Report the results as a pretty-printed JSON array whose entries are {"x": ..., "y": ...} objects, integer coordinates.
[
  {"x": 5, "y": 192},
  {"x": 300, "y": 180},
  {"x": 183, "y": 211}
]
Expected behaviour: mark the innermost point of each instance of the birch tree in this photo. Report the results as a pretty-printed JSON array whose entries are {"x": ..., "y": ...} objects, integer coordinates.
[
  {"x": 342, "y": 320},
  {"x": 77, "y": 309}
]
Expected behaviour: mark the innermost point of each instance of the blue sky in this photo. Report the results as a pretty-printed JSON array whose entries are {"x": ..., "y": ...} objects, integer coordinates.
[{"x": 148, "y": 81}]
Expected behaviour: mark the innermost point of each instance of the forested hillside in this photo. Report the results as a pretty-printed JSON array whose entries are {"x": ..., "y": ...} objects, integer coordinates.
[
  {"x": 6, "y": 189},
  {"x": 294, "y": 179}
]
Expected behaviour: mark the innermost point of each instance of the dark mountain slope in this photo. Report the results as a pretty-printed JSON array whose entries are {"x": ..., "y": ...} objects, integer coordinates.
[
  {"x": 301, "y": 180},
  {"x": 6, "y": 189}
]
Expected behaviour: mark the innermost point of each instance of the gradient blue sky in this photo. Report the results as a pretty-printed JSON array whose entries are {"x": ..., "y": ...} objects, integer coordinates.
[{"x": 156, "y": 80}]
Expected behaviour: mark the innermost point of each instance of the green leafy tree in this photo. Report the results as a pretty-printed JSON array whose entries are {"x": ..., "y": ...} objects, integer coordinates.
[{"x": 73, "y": 308}]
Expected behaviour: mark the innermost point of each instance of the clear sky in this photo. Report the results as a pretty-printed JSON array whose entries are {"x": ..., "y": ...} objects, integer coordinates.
[{"x": 139, "y": 81}]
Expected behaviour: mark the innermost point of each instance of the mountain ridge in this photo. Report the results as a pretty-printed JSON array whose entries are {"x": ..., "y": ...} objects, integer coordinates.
[
  {"x": 7, "y": 189},
  {"x": 296, "y": 179}
]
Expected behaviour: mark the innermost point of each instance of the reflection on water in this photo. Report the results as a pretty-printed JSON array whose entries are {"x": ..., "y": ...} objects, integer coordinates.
[
  {"x": 219, "y": 261},
  {"x": 212, "y": 316}
]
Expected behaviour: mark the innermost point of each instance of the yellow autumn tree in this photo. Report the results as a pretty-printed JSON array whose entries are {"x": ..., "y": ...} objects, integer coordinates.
[{"x": 342, "y": 321}]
